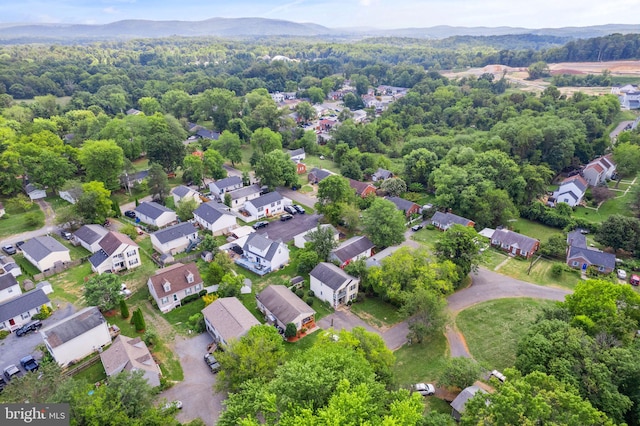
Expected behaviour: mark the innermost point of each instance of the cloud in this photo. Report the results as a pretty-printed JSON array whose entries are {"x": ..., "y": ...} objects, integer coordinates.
[
  {"x": 284, "y": 7},
  {"x": 365, "y": 2},
  {"x": 110, "y": 10}
]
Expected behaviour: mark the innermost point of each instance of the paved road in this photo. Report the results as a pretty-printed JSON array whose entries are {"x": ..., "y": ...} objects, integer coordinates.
[
  {"x": 619, "y": 128},
  {"x": 196, "y": 390}
]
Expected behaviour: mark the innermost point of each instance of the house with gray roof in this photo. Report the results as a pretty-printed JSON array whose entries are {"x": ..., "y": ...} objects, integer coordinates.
[
  {"x": 44, "y": 252},
  {"x": 381, "y": 174},
  {"x": 129, "y": 180},
  {"x": 89, "y": 236},
  {"x": 266, "y": 205},
  {"x": 175, "y": 239},
  {"x": 332, "y": 285},
  {"x": 514, "y": 243},
  {"x": 571, "y": 190},
  {"x": 359, "y": 247},
  {"x": 154, "y": 214},
  {"x": 75, "y": 337},
  {"x": 281, "y": 306},
  {"x": 405, "y": 206},
  {"x": 71, "y": 194},
  {"x": 16, "y": 312},
  {"x": 35, "y": 192},
  {"x": 130, "y": 354},
  {"x": 240, "y": 196},
  {"x": 316, "y": 175},
  {"x": 9, "y": 266},
  {"x": 9, "y": 287},
  {"x": 297, "y": 155},
  {"x": 444, "y": 221},
  {"x": 262, "y": 255},
  {"x": 221, "y": 186},
  {"x": 580, "y": 256},
  {"x": 182, "y": 193},
  {"x": 458, "y": 404},
  {"x": 303, "y": 237},
  {"x": 227, "y": 318},
  {"x": 215, "y": 217},
  {"x": 117, "y": 253}
]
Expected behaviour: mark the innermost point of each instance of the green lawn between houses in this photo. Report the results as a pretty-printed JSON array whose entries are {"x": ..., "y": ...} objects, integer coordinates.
[{"x": 14, "y": 221}]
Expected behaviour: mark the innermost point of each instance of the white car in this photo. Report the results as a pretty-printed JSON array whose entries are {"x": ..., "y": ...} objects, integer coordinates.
[
  {"x": 424, "y": 389},
  {"x": 124, "y": 290},
  {"x": 177, "y": 404},
  {"x": 622, "y": 274}
]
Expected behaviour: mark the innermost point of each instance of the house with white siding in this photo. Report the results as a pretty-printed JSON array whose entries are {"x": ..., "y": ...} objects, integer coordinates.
[
  {"x": 182, "y": 193},
  {"x": 174, "y": 239},
  {"x": 9, "y": 266},
  {"x": 117, "y": 253},
  {"x": 215, "y": 217},
  {"x": 262, "y": 255},
  {"x": 269, "y": 204},
  {"x": 154, "y": 214},
  {"x": 599, "y": 170},
  {"x": 355, "y": 248},
  {"x": 9, "y": 287},
  {"x": 170, "y": 285},
  {"x": 571, "y": 190},
  {"x": 16, "y": 312},
  {"x": 89, "y": 236},
  {"x": 332, "y": 285},
  {"x": 221, "y": 186},
  {"x": 240, "y": 196},
  {"x": 44, "y": 252}
]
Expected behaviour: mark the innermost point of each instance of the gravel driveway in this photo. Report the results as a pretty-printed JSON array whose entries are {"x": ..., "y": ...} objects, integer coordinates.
[{"x": 196, "y": 390}]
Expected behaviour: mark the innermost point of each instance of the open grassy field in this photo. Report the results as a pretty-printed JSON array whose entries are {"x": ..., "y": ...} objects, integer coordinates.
[
  {"x": 540, "y": 273},
  {"x": 421, "y": 362},
  {"x": 492, "y": 257},
  {"x": 492, "y": 329},
  {"x": 179, "y": 317},
  {"x": 613, "y": 206},
  {"x": 376, "y": 312},
  {"x": 314, "y": 161},
  {"x": 533, "y": 229},
  {"x": 14, "y": 220},
  {"x": 427, "y": 237}
]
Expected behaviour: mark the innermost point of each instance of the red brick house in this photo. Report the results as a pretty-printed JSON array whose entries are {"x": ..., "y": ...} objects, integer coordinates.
[{"x": 362, "y": 188}]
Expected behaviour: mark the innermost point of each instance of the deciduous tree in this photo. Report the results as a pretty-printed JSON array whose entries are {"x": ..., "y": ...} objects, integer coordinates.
[
  {"x": 103, "y": 161},
  {"x": 103, "y": 291},
  {"x": 383, "y": 223}
]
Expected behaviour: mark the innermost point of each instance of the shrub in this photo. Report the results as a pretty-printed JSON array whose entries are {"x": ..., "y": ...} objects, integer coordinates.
[
  {"x": 124, "y": 309},
  {"x": 32, "y": 219},
  {"x": 209, "y": 299},
  {"x": 202, "y": 293},
  {"x": 138, "y": 320},
  {"x": 300, "y": 293},
  {"x": 557, "y": 269},
  {"x": 4, "y": 333},
  {"x": 290, "y": 330},
  {"x": 45, "y": 312},
  {"x": 150, "y": 338},
  {"x": 309, "y": 301},
  {"x": 196, "y": 322},
  {"x": 310, "y": 293},
  {"x": 430, "y": 227}
]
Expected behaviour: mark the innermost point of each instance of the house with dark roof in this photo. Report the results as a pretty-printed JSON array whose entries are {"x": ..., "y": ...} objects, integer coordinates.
[
  {"x": 571, "y": 190},
  {"x": 182, "y": 193},
  {"x": 35, "y": 192},
  {"x": 9, "y": 287},
  {"x": 133, "y": 111},
  {"x": 75, "y": 337},
  {"x": 117, "y": 253},
  {"x": 514, "y": 243},
  {"x": 269, "y": 204},
  {"x": 580, "y": 256},
  {"x": 72, "y": 194},
  {"x": 170, "y": 285},
  {"x": 281, "y": 306},
  {"x": 128, "y": 181},
  {"x": 203, "y": 133},
  {"x": 362, "y": 188},
  {"x": 407, "y": 207},
  {"x": 89, "y": 236},
  {"x": 316, "y": 175},
  {"x": 297, "y": 155},
  {"x": 458, "y": 404},
  {"x": 215, "y": 217},
  {"x": 227, "y": 319},
  {"x": 219, "y": 187},
  {"x": 9, "y": 266},
  {"x": 175, "y": 239},
  {"x": 302, "y": 238},
  {"x": 332, "y": 285},
  {"x": 381, "y": 174},
  {"x": 262, "y": 255},
  {"x": 17, "y": 311},
  {"x": 130, "y": 354},
  {"x": 599, "y": 170},
  {"x": 444, "y": 221},
  {"x": 240, "y": 196},
  {"x": 359, "y": 247},
  {"x": 45, "y": 252},
  {"x": 154, "y": 214}
]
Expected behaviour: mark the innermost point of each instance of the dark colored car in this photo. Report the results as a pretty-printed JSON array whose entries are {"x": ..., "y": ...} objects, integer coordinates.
[
  {"x": 130, "y": 213},
  {"x": 260, "y": 224},
  {"x": 286, "y": 217},
  {"x": 299, "y": 209},
  {"x": 9, "y": 249},
  {"x": 19, "y": 244},
  {"x": 29, "y": 363},
  {"x": 212, "y": 362},
  {"x": 290, "y": 209},
  {"x": 3, "y": 383},
  {"x": 28, "y": 328}
]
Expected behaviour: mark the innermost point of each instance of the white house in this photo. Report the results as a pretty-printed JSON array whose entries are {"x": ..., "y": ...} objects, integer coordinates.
[
  {"x": 130, "y": 354},
  {"x": 331, "y": 284},
  {"x": 599, "y": 170},
  {"x": 219, "y": 187},
  {"x": 9, "y": 287},
  {"x": 227, "y": 318},
  {"x": 34, "y": 192},
  {"x": 281, "y": 306},
  {"x": 9, "y": 266},
  {"x": 571, "y": 190},
  {"x": 297, "y": 155},
  {"x": 89, "y": 236},
  {"x": 174, "y": 239},
  {"x": 170, "y": 285},
  {"x": 16, "y": 312},
  {"x": 269, "y": 204},
  {"x": 44, "y": 252},
  {"x": 182, "y": 193},
  {"x": 264, "y": 254},
  {"x": 215, "y": 217},
  {"x": 73, "y": 338},
  {"x": 154, "y": 214},
  {"x": 129, "y": 180},
  {"x": 302, "y": 238},
  {"x": 117, "y": 252},
  {"x": 355, "y": 248},
  {"x": 240, "y": 196}
]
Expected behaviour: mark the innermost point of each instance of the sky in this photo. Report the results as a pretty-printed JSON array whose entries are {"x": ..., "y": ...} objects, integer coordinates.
[{"x": 333, "y": 13}]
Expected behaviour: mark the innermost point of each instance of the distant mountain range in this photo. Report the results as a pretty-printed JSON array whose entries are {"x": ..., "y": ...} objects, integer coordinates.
[{"x": 256, "y": 27}]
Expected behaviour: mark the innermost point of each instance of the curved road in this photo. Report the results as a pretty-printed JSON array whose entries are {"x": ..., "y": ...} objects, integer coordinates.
[{"x": 488, "y": 285}]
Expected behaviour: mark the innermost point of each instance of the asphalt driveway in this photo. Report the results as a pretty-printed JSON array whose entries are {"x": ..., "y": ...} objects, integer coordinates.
[
  {"x": 196, "y": 390},
  {"x": 285, "y": 231}
]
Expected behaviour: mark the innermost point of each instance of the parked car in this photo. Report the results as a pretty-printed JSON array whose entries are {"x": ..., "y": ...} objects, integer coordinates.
[
  {"x": 286, "y": 217},
  {"x": 19, "y": 244},
  {"x": 124, "y": 290},
  {"x": 417, "y": 227},
  {"x": 130, "y": 213},
  {"x": 28, "y": 328},
  {"x": 424, "y": 389},
  {"x": 177, "y": 404},
  {"x": 260, "y": 224},
  {"x": 11, "y": 371},
  {"x": 290, "y": 209},
  {"x": 29, "y": 363},
  {"x": 622, "y": 274},
  {"x": 300, "y": 209},
  {"x": 9, "y": 249},
  {"x": 634, "y": 280},
  {"x": 65, "y": 234},
  {"x": 139, "y": 231},
  {"x": 212, "y": 362}
]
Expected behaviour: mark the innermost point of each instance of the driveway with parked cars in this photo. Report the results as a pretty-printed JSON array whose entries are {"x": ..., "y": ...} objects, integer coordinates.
[
  {"x": 285, "y": 231},
  {"x": 199, "y": 400}
]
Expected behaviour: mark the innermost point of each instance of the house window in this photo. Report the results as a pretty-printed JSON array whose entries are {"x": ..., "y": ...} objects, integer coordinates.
[
  {"x": 188, "y": 291},
  {"x": 198, "y": 287},
  {"x": 133, "y": 262},
  {"x": 601, "y": 268},
  {"x": 574, "y": 263},
  {"x": 164, "y": 300},
  {"x": 190, "y": 278},
  {"x": 175, "y": 297},
  {"x": 273, "y": 204},
  {"x": 10, "y": 290},
  {"x": 353, "y": 287},
  {"x": 25, "y": 315},
  {"x": 131, "y": 253}
]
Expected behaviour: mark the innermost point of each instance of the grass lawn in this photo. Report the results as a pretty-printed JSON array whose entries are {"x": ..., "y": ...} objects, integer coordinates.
[
  {"x": 613, "y": 206},
  {"x": 540, "y": 273},
  {"x": 492, "y": 257},
  {"x": 14, "y": 222},
  {"x": 533, "y": 229},
  {"x": 93, "y": 374},
  {"x": 303, "y": 344},
  {"x": 314, "y": 161},
  {"x": 179, "y": 317},
  {"x": 427, "y": 237},
  {"x": 421, "y": 362},
  {"x": 492, "y": 329},
  {"x": 306, "y": 189},
  {"x": 376, "y": 312},
  {"x": 249, "y": 302},
  {"x": 26, "y": 266}
]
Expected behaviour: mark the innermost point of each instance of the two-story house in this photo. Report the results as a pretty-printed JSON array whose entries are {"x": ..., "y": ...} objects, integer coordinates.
[
  {"x": 215, "y": 217},
  {"x": 332, "y": 285},
  {"x": 168, "y": 286},
  {"x": 174, "y": 239},
  {"x": 89, "y": 236},
  {"x": 297, "y": 155},
  {"x": 599, "y": 170},
  {"x": 117, "y": 252},
  {"x": 281, "y": 306},
  {"x": 262, "y": 255},
  {"x": 154, "y": 214},
  {"x": 571, "y": 190},
  {"x": 240, "y": 196},
  {"x": 269, "y": 204},
  {"x": 17, "y": 311},
  {"x": 221, "y": 186},
  {"x": 45, "y": 252}
]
